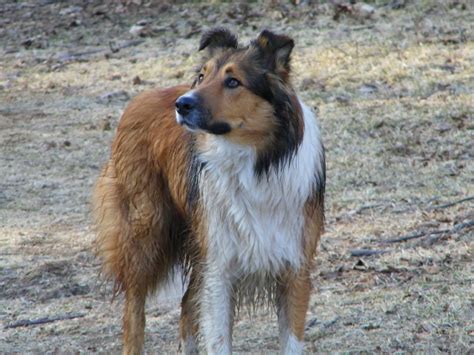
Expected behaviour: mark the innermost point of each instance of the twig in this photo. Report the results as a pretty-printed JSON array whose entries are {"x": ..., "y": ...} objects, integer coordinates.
[
  {"x": 460, "y": 226},
  {"x": 114, "y": 48},
  {"x": 358, "y": 28},
  {"x": 359, "y": 210},
  {"x": 327, "y": 324},
  {"x": 131, "y": 43},
  {"x": 367, "y": 252},
  {"x": 470, "y": 198},
  {"x": 405, "y": 238},
  {"x": 28, "y": 322},
  {"x": 69, "y": 57},
  {"x": 368, "y": 207},
  {"x": 456, "y": 228},
  {"x": 331, "y": 322}
]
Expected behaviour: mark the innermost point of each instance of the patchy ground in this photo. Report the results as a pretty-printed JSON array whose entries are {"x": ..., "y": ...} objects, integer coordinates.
[{"x": 394, "y": 93}]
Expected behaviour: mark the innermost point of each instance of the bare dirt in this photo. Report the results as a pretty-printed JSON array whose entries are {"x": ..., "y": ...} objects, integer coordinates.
[{"x": 394, "y": 92}]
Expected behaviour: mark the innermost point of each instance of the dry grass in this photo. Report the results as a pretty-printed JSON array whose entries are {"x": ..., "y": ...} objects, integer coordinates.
[{"x": 395, "y": 99}]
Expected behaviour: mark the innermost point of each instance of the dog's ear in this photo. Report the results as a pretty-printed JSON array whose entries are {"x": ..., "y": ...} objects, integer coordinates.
[
  {"x": 217, "y": 39},
  {"x": 276, "y": 50}
]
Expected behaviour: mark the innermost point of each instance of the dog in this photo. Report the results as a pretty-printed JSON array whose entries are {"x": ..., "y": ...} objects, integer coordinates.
[{"x": 224, "y": 178}]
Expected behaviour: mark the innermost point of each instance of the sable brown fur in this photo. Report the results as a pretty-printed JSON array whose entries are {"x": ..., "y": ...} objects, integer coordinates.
[
  {"x": 140, "y": 203},
  {"x": 139, "y": 193}
]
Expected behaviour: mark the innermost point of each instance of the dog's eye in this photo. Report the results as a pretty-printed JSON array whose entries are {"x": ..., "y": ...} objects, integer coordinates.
[
  {"x": 231, "y": 83},
  {"x": 200, "y": 77}
]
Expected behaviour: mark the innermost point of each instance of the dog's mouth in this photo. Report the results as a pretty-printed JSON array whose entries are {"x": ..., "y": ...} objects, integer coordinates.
[
  {"x": 217, "y": 128},
  {"x": 189, "y": 125}
]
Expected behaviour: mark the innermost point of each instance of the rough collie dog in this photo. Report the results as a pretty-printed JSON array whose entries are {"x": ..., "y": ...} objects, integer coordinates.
[{"x": 224, "y": 177}]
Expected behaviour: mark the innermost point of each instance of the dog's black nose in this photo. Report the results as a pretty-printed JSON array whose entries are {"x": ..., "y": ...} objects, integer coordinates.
[{"x": 185, "y": 104}]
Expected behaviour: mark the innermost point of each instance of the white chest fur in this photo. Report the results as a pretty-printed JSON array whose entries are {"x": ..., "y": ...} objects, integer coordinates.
[{"x": 256, "y": 225}]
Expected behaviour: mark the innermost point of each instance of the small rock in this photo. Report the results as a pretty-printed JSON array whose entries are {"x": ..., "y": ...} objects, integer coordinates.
[
  {"x": 115, "y": 76},
  {"x": 100, "y": 10},
  {"x": 179, "y": 74},
  {"x": 113, "y": 96},
  {"x": 343, "y": 99},
  {"x": 4, "y": 85},
  {"x": 142, "y": 22},
  {"x": 307, "y": 83},
  {"x": 360, "y": 265},
  {"x": 137, "y": 30},
  {"x": 105, "y": 125},
  {"x": 137, "y": 80},
  {"x": 400, "y": 148},
  {"x": 368, "y": 88},
  {"x": 164, "y": 7},
  {"x": 451, "y": 169},
  {"x": 50, "y": 145},
  {"x": 447, "y": 67},
  {"x": 443, "y": 127},
  {"x": 379, "y": 124},
  {"x": 70, "y": 10},
  {"x": 397, "y": 4},
  {"x": 301, "y": 2},
  {"x": 27, "y": 43},
  {"x": 212, "y": 18},
  {"x": 67, "y": 143},
  {"x": 442, "y": 86},
  {"x": 363, "y": 10},
  {"x": 143, "y": 29},
  {"x": 75, "y": 23},
  {"x": 277, "y": 15}
]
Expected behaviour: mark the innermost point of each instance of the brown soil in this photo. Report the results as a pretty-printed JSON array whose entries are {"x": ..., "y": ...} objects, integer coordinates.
[{"x": 394, "y": 93}]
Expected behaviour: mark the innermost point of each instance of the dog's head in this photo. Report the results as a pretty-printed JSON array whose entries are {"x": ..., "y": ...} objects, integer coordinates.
[{"x": 244, "y": 93}]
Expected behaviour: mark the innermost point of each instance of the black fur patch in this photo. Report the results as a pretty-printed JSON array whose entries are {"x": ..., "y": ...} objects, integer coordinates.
[
  {"x": 265, "y": 80},
  {"x": 219, "y": 128},
  {"x": 275, "y": 50},
  {"x": 194, "y": 171},
  {"x": 218, "y": 37},
  {"x": 286, "y": 109},
  {"x": 287, "y": 134},
  {"x": 321, "y": 178}
]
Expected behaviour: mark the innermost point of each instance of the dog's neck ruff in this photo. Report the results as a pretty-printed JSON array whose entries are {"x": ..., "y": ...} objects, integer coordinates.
[{"x": 255, "y": 224}]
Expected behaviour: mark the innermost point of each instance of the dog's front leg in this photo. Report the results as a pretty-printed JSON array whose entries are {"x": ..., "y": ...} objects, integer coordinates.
[
  {"x": 217, "y": 310},
  {"x": 292, "y": 304}
]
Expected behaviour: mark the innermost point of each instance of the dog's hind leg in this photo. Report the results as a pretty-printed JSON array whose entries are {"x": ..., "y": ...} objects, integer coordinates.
[
  {"x": 189, "y": 322},
  {"x": 134, "y": 320},
  {"x": 138, "y": 242}
]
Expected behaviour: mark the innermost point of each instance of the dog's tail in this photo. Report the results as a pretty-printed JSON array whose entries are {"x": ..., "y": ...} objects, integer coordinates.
[
  {"x": 135, "y": 240},
  {"x": 135, "y": 243}
]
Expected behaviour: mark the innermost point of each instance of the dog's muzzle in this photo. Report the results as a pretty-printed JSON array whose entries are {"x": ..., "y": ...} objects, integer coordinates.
[
  {"x": 187, "y": 112},
  {"x": 191, "y": 114}
]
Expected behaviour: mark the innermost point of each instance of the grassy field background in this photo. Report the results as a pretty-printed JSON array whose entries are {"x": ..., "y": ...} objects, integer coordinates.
[{"x": 394, "y": 93}]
